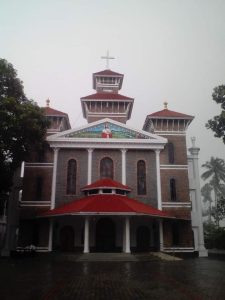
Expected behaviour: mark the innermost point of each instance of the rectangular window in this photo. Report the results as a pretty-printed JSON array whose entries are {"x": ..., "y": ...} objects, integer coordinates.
[
  {"x": 39, "y": 188},
  {"x": 173, "y": 192}
]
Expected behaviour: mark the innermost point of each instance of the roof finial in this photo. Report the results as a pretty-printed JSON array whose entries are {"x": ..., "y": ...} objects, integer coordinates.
[
  {"x": 107, "y": 57},
  {"x": 47, "y": 102},
  {"x": 193, "y": 140},
  {"x": 165, "y": 105}
]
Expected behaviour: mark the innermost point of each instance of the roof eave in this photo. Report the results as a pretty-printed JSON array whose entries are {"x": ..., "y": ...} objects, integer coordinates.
[{"x": 96, "y": 213}]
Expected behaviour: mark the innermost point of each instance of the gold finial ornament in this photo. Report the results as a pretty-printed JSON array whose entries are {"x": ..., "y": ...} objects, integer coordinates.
[
  {"x": 165, "y": 105},
  {"x": 47, "y": 102}
]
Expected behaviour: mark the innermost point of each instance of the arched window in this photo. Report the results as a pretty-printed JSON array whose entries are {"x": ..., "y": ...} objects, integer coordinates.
[
  {"x": 106, "y": 168},
  {"x": 71, "y": 177},
  {"x": 170, "y": 153},
  {"x": 141, "y": 178},
  {"x": 173, "y": 192}
]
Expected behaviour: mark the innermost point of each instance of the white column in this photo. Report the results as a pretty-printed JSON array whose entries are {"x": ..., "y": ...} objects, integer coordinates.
[
  {"x": 86, "y": 235},
  {"x": 54, "y": 173},
  {"x": 50, "y": 235},
  {"x": 89, "y": 165},
  {"x": 161, "y": 235},
  {"x": 124, "y": 175},
  {"x": 124, "y": 236},
  {"x": 127, "y": 235},
  {"x": 197, "y": 195},
  {"x": 158, "y": 179}
]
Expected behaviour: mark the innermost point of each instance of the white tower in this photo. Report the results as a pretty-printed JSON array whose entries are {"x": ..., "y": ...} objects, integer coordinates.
[{"x": 195, "y": 195}]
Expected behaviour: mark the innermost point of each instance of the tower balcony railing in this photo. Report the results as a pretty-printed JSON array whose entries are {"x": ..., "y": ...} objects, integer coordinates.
[{"x": 106, "y": 84}]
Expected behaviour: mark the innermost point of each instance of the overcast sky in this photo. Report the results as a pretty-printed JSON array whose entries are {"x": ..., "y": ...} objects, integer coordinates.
[{"x": 171, "y": 50}]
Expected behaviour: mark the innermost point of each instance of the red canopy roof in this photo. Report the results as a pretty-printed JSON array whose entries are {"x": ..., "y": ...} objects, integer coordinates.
[
  {"x": 166, "y": 113},
  {"x": 48, "y": 111},
  {"x": 105, "y": 204},
  {"x": 108, "y": 73},
  {"x": 106, "y": 183},
  {"x": 106, "y": 96}
]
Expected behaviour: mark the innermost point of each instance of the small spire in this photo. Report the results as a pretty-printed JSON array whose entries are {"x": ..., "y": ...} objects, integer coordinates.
[
  {"x": 47, "y": 102},
  {"x": 165, "y": 105},
  {"x": 193, "y": 140}
]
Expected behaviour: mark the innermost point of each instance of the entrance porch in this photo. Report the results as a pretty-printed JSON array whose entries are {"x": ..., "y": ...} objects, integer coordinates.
[{"x": 105, "y": 233}]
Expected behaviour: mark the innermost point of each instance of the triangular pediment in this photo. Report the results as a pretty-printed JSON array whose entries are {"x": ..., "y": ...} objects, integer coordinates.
[{"x": 105, "y": 129}]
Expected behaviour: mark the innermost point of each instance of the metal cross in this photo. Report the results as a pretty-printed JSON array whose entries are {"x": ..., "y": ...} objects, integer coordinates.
[{"x": 107, "y": 57}]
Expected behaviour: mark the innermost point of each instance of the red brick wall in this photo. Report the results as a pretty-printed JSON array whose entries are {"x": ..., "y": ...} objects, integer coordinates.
[
  {"x": 81, "y": 157},
  {"x": 182, "y": 185},
  {"x": 180, "y": 150},
  {"x": 30, "y": 183},
  {"x": 185, "y": 234},
  {"x": 133, "y": 156}
]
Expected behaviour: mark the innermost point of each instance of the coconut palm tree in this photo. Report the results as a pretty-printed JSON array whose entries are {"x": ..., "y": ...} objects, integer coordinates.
[
  {"x": 206, "y": 192},
  {"x": 215, "y": 173}
]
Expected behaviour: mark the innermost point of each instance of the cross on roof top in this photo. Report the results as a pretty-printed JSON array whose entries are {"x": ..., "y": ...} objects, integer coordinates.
[{"x": 107, "y": 57}]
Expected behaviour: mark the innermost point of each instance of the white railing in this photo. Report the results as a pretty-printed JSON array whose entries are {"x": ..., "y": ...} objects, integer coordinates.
[{"x": 34, "y": 203}]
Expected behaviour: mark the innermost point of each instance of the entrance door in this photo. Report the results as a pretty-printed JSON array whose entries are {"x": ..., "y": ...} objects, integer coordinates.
[
  {"x": 105, "y": 235},
  {"x": 67, "y": 238},
  {"x": 143, "y": 238}
]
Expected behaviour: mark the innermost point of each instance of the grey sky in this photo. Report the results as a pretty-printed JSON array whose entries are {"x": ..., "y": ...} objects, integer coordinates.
[{"x": 170, "y": 50}]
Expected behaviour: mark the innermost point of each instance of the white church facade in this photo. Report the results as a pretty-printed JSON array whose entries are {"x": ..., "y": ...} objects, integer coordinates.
[{"x": 108, "y": 187}]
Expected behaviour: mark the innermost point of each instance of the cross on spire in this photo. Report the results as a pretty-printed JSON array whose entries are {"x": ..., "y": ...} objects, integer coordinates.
[{"x": 107, "y": 58}]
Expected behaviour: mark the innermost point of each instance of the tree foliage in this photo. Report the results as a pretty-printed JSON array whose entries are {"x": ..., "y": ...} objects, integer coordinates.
[
  {"x": 217, "y": 124},
  {"x": 214, "y": 236},
  {"x": 215, "y": 174},
  {"x": 23, "y": 124}
]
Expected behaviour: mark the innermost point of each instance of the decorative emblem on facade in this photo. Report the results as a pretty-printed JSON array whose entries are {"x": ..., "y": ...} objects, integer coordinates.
[{"x": 107, "y": 130}]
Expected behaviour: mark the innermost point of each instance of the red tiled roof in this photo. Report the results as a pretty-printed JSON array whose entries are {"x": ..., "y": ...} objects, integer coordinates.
[
  {"x": 106, "y": 183},
  {"x": 103, "y": 203},
  {"x": 108, "y": 73},
  {"x": 166, "y": 113},
  {"x": 48, "y": 111},
  {"x": 106, "y": 96}
]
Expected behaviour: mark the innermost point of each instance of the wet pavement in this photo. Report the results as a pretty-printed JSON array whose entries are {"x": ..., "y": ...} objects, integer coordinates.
[{"x": 47, "y": 278}]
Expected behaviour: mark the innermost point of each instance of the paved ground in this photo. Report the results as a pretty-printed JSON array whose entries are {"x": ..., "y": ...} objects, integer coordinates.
[{"x": 58, "y": 279}]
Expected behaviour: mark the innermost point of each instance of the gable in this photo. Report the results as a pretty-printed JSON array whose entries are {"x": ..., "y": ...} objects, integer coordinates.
[{"x": 107, "y": 130}]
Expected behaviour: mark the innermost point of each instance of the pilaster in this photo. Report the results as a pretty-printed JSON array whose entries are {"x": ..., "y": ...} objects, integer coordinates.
[
  {"x": 86, "y": 235},
  {"x": 124, "y": 175},
  {"x": 158, "y": 179},
  {"x": 89, "y": 175},
  {"x": 54, "y": 175}
]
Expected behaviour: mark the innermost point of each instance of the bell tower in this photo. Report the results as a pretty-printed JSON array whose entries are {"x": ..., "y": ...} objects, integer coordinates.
[{"x": 107, "y": 102}]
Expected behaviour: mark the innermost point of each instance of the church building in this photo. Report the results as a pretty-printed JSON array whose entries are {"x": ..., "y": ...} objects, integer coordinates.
[{"x": 109, "y": 187}]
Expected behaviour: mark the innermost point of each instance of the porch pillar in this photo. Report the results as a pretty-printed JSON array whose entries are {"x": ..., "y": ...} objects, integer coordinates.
[
  {"x": 89, "y": 175},
  {"x": 158, "y": 179},
  {"x": 161, "y": 235},
  {"x": 127, "y": 235},
  {"x": 86, "y": 235},
  {"x": 124, "y": 175},
  {"x": 54, "y": 174},
  {"x": 124, "y": 236},
  {"x": 50, "y": 235}
]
